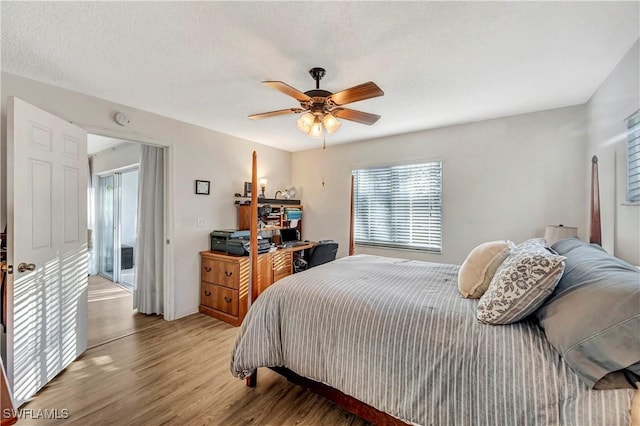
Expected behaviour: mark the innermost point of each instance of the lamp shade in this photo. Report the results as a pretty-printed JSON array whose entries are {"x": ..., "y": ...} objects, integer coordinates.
[
  {"x": 304, "y": 123},
  {"x": 330, "y": 123},
  {"x": 263, "y": 182},
  {"x": 316, "y": 129},
  {"x": 554, "y": 233}
]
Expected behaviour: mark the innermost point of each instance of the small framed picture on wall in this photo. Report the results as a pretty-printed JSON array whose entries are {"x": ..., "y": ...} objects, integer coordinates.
[
  {"x": 247, "y": 189},
  {"x": 203, "y": 187}
]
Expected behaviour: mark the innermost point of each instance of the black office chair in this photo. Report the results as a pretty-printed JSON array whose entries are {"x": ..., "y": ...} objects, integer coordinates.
[{"x": 323, "y": 252}]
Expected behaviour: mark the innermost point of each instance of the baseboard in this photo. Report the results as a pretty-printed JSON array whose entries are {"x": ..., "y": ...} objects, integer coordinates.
[{"x": 185, "y": 313}]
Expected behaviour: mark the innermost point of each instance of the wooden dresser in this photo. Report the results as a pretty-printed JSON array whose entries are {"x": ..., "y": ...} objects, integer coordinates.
[{"x": 224, "y": 281}]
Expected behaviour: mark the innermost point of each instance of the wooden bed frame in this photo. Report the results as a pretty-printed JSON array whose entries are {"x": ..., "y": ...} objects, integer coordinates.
[
  {"x": 345, "y": 401},
  {"x": 595, "y": 232}
]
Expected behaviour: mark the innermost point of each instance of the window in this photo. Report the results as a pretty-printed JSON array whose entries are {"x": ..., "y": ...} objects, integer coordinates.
[
  {"x": 633, "y": 157},
  {"x": 399, "y": 206}
]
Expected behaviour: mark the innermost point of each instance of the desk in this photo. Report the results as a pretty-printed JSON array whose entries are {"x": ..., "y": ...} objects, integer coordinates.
[
  {"x": 284, "y": 259},
  {"x": 300, "y": 247},
  {"x": 224, "y": 280}
]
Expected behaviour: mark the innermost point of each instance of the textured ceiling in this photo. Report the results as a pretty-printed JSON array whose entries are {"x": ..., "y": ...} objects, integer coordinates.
[{"x": 439, "y": 63}]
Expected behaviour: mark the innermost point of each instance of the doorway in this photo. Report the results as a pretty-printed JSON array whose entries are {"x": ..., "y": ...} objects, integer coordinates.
[
  {"x": 47, "y": 208},
  {"x": 113, "y": 213},
  {"x": 117, "y": 215}
]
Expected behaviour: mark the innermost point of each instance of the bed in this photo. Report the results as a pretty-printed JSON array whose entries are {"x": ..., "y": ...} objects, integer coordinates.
[{"x": 392, "y": 341}]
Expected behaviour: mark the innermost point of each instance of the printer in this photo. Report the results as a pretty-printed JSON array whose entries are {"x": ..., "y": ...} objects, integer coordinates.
[{"x": 231, "y": 241}]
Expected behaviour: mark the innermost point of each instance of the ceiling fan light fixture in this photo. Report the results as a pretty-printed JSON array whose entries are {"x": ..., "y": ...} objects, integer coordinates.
[
  {"x": 305, "y": 122},
  {"x": 330, "y": 123},
  {"x": 316, "y": 129}
]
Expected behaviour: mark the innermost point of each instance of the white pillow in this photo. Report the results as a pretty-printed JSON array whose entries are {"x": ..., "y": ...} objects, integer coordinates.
[{"x": 479, "y": 267}]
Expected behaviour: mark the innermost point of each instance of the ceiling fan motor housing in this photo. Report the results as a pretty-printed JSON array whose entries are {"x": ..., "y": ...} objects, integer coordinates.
[{"x": 317, "y": 104}]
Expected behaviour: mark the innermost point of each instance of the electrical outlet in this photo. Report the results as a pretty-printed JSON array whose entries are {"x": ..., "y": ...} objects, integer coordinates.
[{"x": 200, "y": 222}]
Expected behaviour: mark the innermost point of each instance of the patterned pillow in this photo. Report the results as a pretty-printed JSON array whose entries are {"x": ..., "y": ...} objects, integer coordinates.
[
  {"x": 520, "y": 286},
  {"x": 480, "y": 266}
]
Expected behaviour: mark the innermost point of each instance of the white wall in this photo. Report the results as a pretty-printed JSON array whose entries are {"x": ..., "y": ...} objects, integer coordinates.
[
  {"x": 118, "y": 157},
  {"x": 502, "y": 179},
  {"x": 617, "y": 98},
  {"x": 197, "y": 153}
]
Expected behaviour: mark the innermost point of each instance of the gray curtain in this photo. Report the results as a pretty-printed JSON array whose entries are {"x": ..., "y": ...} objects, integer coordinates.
[{"x": 149, "y": 288}]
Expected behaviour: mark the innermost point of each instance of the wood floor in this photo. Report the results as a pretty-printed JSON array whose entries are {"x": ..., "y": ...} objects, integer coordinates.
[
  {"x": 111, "y": 313},
  {"x": 177, "y": 373}
]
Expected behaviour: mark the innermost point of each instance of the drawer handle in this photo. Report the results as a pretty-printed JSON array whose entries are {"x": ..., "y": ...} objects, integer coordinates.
[
  {"x": 207, "y": 268},
  {"x": 207, "y": 293},
  {"x": 228, "y": 273},
  {"x": 227, "y": 299}
]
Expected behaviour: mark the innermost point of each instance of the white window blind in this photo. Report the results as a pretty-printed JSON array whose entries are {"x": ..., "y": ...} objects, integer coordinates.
[
  {"x": 633, "y": 157},
  {"x": 399, "y": 206}
]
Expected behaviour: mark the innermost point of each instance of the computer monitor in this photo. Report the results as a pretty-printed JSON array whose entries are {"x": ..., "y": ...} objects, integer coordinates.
[{"x": 289, "y": 234}]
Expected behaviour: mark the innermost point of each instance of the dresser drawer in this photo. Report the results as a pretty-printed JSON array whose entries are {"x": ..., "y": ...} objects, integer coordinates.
[
  {"x": 222, "y": 273},
  {"x": 220, "y": 298},
  {"x": 281, "y": 265}
]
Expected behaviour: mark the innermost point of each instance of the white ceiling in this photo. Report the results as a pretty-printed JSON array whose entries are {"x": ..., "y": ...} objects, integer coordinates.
[
  {"x": 97, "y": 143},
  {"x": 439, "y": 63}
]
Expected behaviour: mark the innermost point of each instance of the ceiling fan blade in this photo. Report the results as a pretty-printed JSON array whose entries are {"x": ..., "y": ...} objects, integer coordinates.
[
  {"x": 357, "y": 116},
  {"x": 357, "y": 93},
  {"x": 274, "y": 113},
  {"x": 287, "y": 90}
]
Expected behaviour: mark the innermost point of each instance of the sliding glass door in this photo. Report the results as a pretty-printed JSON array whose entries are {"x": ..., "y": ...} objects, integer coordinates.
[
  {"x": 117, "y": 219},
  {"x": 128, "y": 212},
  {"x": 106, "y": 221}
]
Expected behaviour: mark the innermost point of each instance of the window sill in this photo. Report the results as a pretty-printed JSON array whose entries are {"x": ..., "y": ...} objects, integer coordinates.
[
  {"x": 630, "y": 203},
  {"x": 391, "y": 247}
]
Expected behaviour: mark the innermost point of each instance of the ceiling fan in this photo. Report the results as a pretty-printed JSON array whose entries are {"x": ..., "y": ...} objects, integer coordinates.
[{"x": 323, "y": 107}]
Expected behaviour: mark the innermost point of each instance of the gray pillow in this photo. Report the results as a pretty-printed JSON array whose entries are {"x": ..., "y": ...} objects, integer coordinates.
[{"x": 593, "y": 316}]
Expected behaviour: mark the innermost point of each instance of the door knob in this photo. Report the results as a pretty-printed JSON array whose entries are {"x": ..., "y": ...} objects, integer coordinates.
[{"x": 23, "y": 267}]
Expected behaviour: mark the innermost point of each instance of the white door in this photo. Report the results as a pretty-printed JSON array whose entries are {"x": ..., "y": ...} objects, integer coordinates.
[{"x": 47, "y": 246}]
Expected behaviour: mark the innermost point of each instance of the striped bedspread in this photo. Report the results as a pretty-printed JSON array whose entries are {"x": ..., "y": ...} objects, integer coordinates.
[{"x": 395, "y": 334}]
